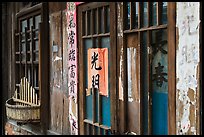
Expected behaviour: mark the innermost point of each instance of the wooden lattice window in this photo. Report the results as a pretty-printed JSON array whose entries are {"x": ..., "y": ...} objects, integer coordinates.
[{"x": 27, "y": 48}]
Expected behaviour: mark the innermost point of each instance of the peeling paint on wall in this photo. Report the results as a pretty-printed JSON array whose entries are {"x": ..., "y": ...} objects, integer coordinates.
[
  {"x": 57, "y": 58},
  {"x": 121, "y": 96},
  {"x": 131, "y": 66},
  {"x": 120, "y": 34},
  {"x": 187, "y": 61}
]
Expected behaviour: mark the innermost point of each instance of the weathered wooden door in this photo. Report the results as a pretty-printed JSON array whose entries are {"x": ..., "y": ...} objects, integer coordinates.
[
  {"x": 145, "y": 35},
  {"x": 97, "y": 71}
]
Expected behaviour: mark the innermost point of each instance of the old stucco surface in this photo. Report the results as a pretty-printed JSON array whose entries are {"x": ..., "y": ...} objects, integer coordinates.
[{"x": 187, "y": 67}]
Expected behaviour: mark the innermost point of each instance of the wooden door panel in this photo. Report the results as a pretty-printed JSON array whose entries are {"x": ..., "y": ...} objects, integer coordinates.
[{"x": 96, "y": 35}]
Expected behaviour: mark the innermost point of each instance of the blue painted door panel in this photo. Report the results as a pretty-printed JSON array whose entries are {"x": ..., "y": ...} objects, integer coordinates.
[
  {"x": 105, "y": 106},
  {"x": 159, "y": 113},
  {"x": 159, "y": 83}
]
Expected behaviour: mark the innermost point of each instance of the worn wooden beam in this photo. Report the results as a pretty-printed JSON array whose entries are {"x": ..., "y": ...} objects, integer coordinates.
[
  {"x": 113, "y": 70},
  {"x": 121, "y": 72},
  {"x": 171, "y": 14},
  {"x": 44, "y": 65},
  {"x": 81, "y": 97}
]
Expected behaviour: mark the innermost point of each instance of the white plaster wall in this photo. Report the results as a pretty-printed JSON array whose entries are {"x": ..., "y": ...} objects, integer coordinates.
[{"x": 187, "y": 66}]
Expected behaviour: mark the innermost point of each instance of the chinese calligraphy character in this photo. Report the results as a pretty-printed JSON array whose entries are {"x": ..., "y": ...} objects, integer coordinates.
[
  {"x": 72, "y": 74},
  {"x": 71, "y": 23},
  {"x": 71, "y": 6},
  {"x": 95, "y": 80},
  {"x": 159, "y": 76},
  {"x": 159, "y": 43},
  {"x": 71, "y": 37},
  {"x": 72, "y": 55},
  {"x": 72, "y": 84},
  {"x": 93, "y": 62}
]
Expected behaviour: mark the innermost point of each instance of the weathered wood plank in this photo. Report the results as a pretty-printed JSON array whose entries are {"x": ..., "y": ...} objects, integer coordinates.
[
  {"x": 56, "y": 96},
  {"x": 66, "y": 125},
  {"x": 171, "y": 13},
  {"x": 121, "y": 72},
  {"x": 133, "y": 76}
]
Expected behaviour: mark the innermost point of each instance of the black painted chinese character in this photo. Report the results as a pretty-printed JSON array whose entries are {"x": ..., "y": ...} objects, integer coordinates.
[
  {"x": 72, "y": 55},
  {"x": 157, "y": 46},
  {"x": 93, "y": 62},
  {"x": 159, "y": 76},
  {"x": 95, "y": 81},
  {"x": 71, "y": 86},
  {"x": 71, "y": 21},
  {"x": 72, "y": 74},
  {"x": 71, "y": 37}
]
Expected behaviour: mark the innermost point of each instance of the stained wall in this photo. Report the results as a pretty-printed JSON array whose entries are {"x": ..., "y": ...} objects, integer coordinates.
[{"x": 187, "y": 68}]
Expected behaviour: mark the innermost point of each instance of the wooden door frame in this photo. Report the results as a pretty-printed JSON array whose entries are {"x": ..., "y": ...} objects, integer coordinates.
[
  {"x": 113, "y": 68},
  {"x": 171, "y": 14}
]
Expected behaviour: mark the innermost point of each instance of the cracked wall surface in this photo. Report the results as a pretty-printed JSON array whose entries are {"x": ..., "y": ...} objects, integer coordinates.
[{"x": 187, "y": 68}]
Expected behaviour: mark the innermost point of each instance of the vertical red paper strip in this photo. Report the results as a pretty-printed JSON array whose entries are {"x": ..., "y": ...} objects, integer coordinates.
[
  {"x": 101, "y": 61},
  {"x": 72, "y": 65},
  {"x": 72, "y": 50}
]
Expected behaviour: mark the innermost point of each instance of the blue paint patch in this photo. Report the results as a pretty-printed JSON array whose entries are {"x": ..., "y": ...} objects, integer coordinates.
[
  {"x": 160, "y": 113},
  {"x": 89, "y": 108},
  {"x": 106, "y": 111}
]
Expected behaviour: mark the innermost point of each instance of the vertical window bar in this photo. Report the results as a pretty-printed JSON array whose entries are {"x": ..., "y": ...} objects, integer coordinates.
[
  {"x": 99, "y": 109},
  {"x": 104, "y": 19},
  {"x": 150, "y": 85},
  {"x": 136, "y": 14},
  {"x": 140, "y": 14},
  {"x": 32, "y": 54},
  {"x": 16, "y": 58},
  {"x": 98, "y": 21},
  {"x": 101, "y": 18},
  {"x": 133, "y": 15},
  {"x": 88, "y": 129},
  {"x": 85, "y": 128},
  {"x": 148, "y": 14},
  {"x": 159, "y": 13},
  {"x": 107, "y": 9},
  {"x": 84, "y": 106},
  {"x": 83, "y": 23},
  {"x": 21, "y": 55},
  {"x": 99, "y": 131},
  {"x": 105, "y": 132},
  {"x": 89, "y": 26},
  {"x": 92, "y": 22},
  {"x": 144, "y": 15},
  {"x": 86, "y": 20},
  {"x": 153, "y": 13},
  {"x": 26, "y": 51},
  {"x": 148, "y": 111},
  {"x": 128, "y": 15},
  {"x": 164, "y": 13},
  {"x": 19, "y": 46},
  {"x": 94, "y": 107}
]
